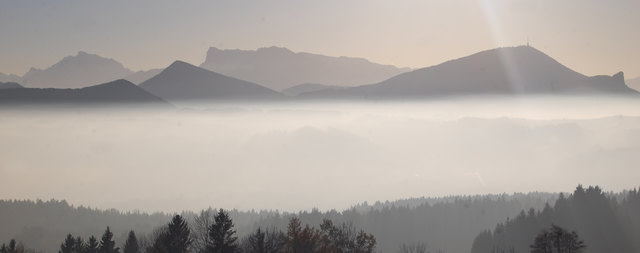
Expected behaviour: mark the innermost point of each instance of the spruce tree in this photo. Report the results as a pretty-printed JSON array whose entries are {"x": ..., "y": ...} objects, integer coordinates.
[
  {"x": 131, "y": 245},
  {"x": 178, "y": 235},
  {"x": 107, "y": 244},
  {"x": 80, "y": 246},
  {"x": 92, "y": 245},
  {"x": 69, "y": 245},
  {"x": 222, "y": 235}
]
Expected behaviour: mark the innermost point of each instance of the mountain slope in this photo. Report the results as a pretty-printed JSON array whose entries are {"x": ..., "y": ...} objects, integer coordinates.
[
  {"x": 116, "y": 92},
  {"x": 634, "y": 83},
  {"x": 10, "y": 85},
  {"x": 141, "y": 76},
  {"x": 183, "y": 81},
  {"x": 279, "y": 68},
  {"x": 514, "y": 70},
  {"x": 76, "y": 72},
  {"x": 308, "y": 87}
]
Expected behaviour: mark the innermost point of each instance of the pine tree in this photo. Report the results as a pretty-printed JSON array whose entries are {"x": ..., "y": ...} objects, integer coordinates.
[
  {"x": 69, "y": 245},
  {"x": 255, "y": 243},
  {"x": 80, "y": 246},
  {"x": 222, "y": 235},
  {"x": 92, "y": 245},
  {"x": 107, "y": 245},
  {"x": 131, "y": 245},
  {"x": 179, "y": 238}
]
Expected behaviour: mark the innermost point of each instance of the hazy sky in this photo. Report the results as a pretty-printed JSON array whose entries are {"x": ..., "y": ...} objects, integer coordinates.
[{"x": 590, "y": 36}]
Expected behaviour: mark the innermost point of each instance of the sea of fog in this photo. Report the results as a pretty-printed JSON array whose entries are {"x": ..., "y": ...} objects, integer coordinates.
[{"x": 329, "y": 155}]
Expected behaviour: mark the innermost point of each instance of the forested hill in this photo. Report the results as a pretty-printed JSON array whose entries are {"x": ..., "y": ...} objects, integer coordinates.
[
  {"x": 604, "y": 222},
  {"x": 449, "y": 224},
  {"x": 42, "y": 225}
]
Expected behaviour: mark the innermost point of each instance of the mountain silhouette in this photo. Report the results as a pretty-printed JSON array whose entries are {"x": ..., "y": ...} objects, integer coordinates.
[
  {"x": 9, "y": 78},
  {"x": 76, "y": 72},
  {"x": 634, "y": 83},
  {"x": 10, "y": 85},
  {"x": 141, "y": 76},
  {"x": 119, "y": 92},
  {"x": 279, "y": 68},
  {"x": 512, "y": 70},
  {"x": 183, "y": 81},
  {"x": 308, "y": 87}
]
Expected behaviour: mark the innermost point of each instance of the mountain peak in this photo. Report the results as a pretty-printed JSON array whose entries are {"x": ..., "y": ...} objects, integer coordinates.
[
  {"x": 619, "y": 76},
  {"x": 516, "y": 70},
  {"x": 182, "y": 81},
  {"x": 181, "y": 64},
  {"x": 76, "y": 71}
]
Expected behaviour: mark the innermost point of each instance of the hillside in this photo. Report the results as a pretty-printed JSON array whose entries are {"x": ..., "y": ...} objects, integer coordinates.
[
  {"x": 119, "y": 92},
  {"x": 182, "y": 81},
  {"x": 10, "y": 85}
]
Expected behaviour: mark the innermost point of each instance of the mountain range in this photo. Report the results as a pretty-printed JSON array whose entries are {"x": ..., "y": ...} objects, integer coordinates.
[
  {"x": 519, "y": 70},
  {"x": 118, "y": 92},
  {"x": 280, "y": 68},
  {"x": 275, "y": 68}
]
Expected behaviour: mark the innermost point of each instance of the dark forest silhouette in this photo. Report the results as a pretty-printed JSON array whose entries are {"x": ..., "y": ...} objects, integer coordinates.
[
  {"x": 606, "y": 223},
  {"x": 458, "y": 220},
  {"x": 589, "y": 220}
]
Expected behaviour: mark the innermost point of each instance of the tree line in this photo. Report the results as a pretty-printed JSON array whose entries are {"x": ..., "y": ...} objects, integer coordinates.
[
  {"x": 218, "y": 235},
  {"x": 446, "y": 224},
  {"x": 604, "y": 222}
]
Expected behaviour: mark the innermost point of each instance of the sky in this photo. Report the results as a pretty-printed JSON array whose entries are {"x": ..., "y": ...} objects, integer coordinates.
[{"x": 590, "y": 36}]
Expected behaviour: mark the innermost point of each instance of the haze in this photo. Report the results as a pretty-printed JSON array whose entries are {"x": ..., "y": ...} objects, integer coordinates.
[{"x": 296, "y": 156}]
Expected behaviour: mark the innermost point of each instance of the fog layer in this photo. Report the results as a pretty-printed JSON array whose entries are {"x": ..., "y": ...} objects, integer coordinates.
[{"x": 328, "y": 155}]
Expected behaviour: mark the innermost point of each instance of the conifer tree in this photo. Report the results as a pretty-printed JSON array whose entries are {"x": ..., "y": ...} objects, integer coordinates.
[
  {"x": 92, "y": 245},
  {"x": 107, "y": 244},
  {"x": 80, "y": 246},
  {"x": 179, "y": 238},
  {"x": 69, "y": 245},
  {"x": 222, "y": 235},
  {"x": 131, "y": 245}
]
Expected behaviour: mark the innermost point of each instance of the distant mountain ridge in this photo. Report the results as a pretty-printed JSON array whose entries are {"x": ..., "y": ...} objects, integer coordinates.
[
  {"x": 182, "y": 81},
  {"x": 512, "y": 70},
  {"x": 119, "y": 92},
  {"x": 76, "y": 72},
  {"x": 9, "y": 78},
  {"x": 280, "y": 68}
]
